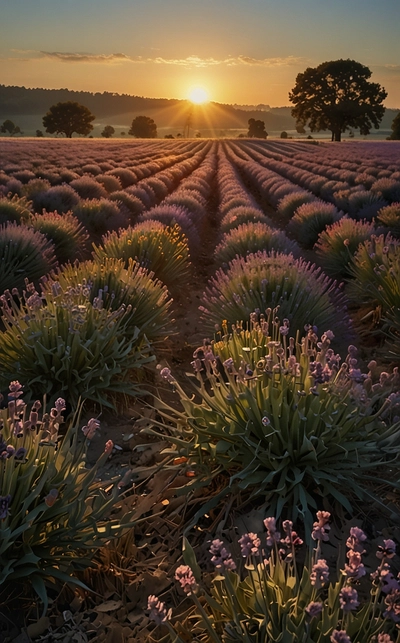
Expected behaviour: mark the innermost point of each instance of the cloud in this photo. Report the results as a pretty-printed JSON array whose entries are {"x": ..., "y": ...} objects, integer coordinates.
[
  {"x": 189, "y": 61},
  {"x": 85, "y": 58}
]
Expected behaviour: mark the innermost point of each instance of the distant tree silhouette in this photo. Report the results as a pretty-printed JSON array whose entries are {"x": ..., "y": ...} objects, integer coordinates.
[
  {"x": 284, "y": 134},
  {"x": 39, "y": 133},
  {"x": 10, "y": 128},
  {"x": 256, "y": 129},
  {"x": 67, "y": 118},
  {"x": 337, "y": 95},
  {"x": 108, "y": 131},
  {"x": 143, "y": 127},
  {"x": 300, "y": 129},
  {"x": 395, "y": 135},
  {"x": 169, "y": 136}
]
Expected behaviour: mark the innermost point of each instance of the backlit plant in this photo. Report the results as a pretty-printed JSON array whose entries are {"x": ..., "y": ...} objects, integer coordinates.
[
  {"x": 65, "y": 231},
  {"x": 310, "y": 220},
  {"x": 61, "y": 343},
  {"x": 157, "y": 247},
  {"x": 24, "y": 253},
  {"x": 252, "y": 237},
  {"x": 290, "y": 423},
  {"x": 111, "y": 284},
  {"x": 376, "y": 274},
  {"x": 389, "y": 216},
  {"x": 267, "y": 280},
  {"x": 16, "y": 209},
  {"x": 54, "y": 512},
  {"x": 271, "y": 596},
  {"x": 99, "y": 216},
  {"x": 337, "y": 244}
]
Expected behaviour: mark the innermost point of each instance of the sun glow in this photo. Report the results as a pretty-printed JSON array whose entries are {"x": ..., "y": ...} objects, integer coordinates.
[{"x": 198, "y": 95}]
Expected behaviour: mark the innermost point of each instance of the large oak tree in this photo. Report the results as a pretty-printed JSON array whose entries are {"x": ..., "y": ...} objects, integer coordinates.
[
  {"x": 67, "y": 118},
  {"x": 336, "y": 96},
  {"x": 143, "y": 127}
]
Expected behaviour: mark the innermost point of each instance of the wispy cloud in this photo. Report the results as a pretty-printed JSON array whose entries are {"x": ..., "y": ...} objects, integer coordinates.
[
  {"x": 85, "y": 58},
  {"x": 189, "y": 61}
]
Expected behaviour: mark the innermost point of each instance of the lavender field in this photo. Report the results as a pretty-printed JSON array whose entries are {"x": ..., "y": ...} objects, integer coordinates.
[{"x": 199, "y": 354}]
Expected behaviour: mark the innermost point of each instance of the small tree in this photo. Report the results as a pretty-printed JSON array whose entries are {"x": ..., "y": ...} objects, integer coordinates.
[
  {"x": 143, "y": 127},
  {"x": 10, "y": 128},
  {"x": 284, "y": 134},
  {"x": 39, "y": 133},
  {"x": 337, "y": 95},
  {"x": 108, "y": 131},
  {"x": 67, "y": 118},
  {"x": 395, "y": 135},
  {"x": 256, "y": 129}
]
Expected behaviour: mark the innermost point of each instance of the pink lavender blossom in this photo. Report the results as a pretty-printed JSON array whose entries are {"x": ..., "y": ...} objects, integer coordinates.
[
  {"x": 158, "y": 611},
  {"x": 186, "y": 579},
  {"x": 89, "y": 430},
  {"x": 321, "y": 527},
  {"x": 348, "y": 599},
  {"x": 249, "y": 544},
  {"x": 354, "y": 568},
  {"x": 273, "y": 536},
  {"x": 319, "y": 574},
  {"x": 384, "y": 638}
]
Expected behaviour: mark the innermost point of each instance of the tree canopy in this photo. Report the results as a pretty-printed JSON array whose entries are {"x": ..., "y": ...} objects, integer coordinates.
[
  {"x": 256, "y": 129},
  {"x": 8, "y": 127},
  {"x": 395, "y": 135},
  {"x": 108, "y": 131},
  {"x": 143, "y": 127},
  {"x": 67, "y": 118},
  {"x": 336, "y": 96}
]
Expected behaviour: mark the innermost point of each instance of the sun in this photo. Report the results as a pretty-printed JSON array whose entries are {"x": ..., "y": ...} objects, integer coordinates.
[{"x": 198, "y": 95}]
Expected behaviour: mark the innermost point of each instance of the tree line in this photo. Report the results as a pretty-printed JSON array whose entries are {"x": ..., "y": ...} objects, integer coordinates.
[{"x": 335, "y": 96}]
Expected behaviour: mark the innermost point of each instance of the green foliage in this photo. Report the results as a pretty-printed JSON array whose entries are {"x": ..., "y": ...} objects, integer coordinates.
[
  {"x": 242, "y": 214},
  {"x": 288, "y": 205},
  {"x": 65, "y": 231},
  {"x": 24, "y": 254},
  {"x": 256, "y": 129},
  {"x": 272, "y": 596},
  {"x": 261, "y": 280},
  {"x": 112, "y": 284},
  {"x": 60, "y": 343},
  {"x": 389, "y": 216},
  {"x": 337, "y": 244},
  {"x": 143, "y": 127},
  {"x": 67, "y": 118},
  {"x": 376, "y": 274},
  {"x": 287, "y": 422},
  {"x": 251, "y": 237},
  {"x": 55, "y": 513},
  {"x": 99, "y": 216},
  {"x": 17, "y": 209},
  {"x": 157, "y": 247},
  {"x": 336, "y": 96},
  {"x": 310, "y": 219},
  {"x": 395, "y": 135}
]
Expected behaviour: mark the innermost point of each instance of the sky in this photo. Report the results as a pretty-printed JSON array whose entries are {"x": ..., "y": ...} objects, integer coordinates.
[{"x": 242, "y": 52}]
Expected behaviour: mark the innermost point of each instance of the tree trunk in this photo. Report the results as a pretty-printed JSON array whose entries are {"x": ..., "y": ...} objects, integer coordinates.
[{"x": 336, "y": 135}]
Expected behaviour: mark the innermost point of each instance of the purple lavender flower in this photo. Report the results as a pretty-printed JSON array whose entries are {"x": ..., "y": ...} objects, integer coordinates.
[
  {"x": 392, "y": 601},
  {"x": 385, "y": 576},
  {"x": 314, "y": 609},
  {"x": 221, "y": 557},
  {"x": 387, "y": 550},
  {"x": 89, "y": 430},
  {"x": 319, "y": 574},
  {"x": 340, "y": 636},
  {"x": 249, "y": 544},
  {"x": 158, "y": 611},
  {"x": 4, "y": 506},
  {"x": 15, "y": 389},
  {"x": 20, "y": 453},
  {"x": 355, "y": 540},
  {"x": 348, "y": 599},
  {"x": 186, "y": 579}
]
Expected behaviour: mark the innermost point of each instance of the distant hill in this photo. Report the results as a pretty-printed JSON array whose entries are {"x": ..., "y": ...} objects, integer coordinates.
[{"x": 26, "y": 107}]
